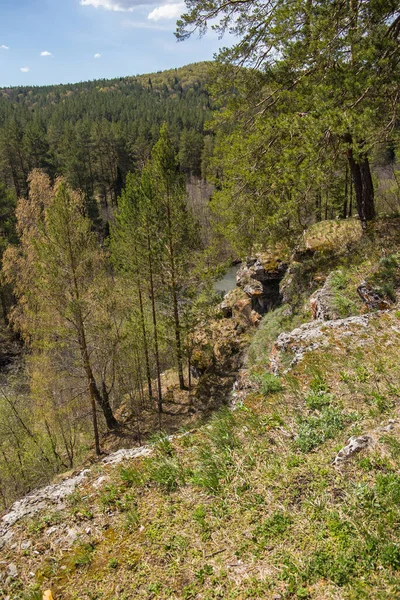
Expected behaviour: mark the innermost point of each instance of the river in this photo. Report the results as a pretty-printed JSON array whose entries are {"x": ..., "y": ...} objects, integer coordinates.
[{"x": 228, "y": 281}]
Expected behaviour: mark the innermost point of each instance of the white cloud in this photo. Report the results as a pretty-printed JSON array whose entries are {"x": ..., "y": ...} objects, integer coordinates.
[
  {"x": 117, "y": 5},
  {"x": 131, "y": 5},
  {"x": 3, "y": 47},
  {"x": 46, "y": 53},
  {"x": 25, "y": 69},
  {"x": 167, "y": 11},
  {"x": 97, "y": 55}
]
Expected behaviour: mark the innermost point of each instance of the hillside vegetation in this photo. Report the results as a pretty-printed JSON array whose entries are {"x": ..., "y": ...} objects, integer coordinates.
[
  {"x": 267, "y": 499},
  {"x": 94, "y": 133}
]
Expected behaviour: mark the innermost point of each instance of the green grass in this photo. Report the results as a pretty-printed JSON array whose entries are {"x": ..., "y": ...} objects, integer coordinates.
[{"x": 250, "y": 505}]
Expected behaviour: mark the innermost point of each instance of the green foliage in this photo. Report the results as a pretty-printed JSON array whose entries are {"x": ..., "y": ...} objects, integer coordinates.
[
  {"x": 82, "y": 555},
  {"x": 317, "y": 400},
  {"x": 269, "y": 384},
  {"x": 387, "y": 276},
  {"x": 315, "y": 430},
  {"x": 164, "y": 468},
  {"x": 273, "y": 527},
  {"x": 345, "y": 300},
  {"x": 215, "y": 456},
  {"x": 94, "y": 133},
  {"x": 282, "y": 138}
]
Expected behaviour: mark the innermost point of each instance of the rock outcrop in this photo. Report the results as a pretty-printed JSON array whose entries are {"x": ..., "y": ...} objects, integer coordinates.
[
  {"x": 372, "y": 299},
  {"x": 322, "y": 302},
  {"x": 257, "y": 290},
  {"x": 316, "y": 335},
  {"x": 259, "y": 278}
]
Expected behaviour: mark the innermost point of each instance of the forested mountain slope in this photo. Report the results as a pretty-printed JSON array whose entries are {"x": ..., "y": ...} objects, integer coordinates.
[{"x": 93, "y": 133}]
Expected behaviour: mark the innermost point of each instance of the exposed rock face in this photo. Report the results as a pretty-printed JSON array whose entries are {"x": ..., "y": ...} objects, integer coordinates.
[
  {"x": 257, "y": 291},
  {"x": 315, "y": 335},
  {"x": 54, "y": 496},
  {"x": 259, "y": 278},
  {"x": 322, "y": 302}
]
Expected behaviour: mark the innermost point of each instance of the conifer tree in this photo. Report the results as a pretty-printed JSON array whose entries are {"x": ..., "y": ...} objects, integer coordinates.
[
  {"x": 331, "y": 67},
  {"x": 58, "y": 277},
  {"x": 177, "y": 231}
]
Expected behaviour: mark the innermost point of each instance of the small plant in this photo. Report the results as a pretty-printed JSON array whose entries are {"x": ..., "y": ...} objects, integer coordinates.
[
  {"x": 345, "y": 301},
  {"x": 221, "y": 429},
  {"x": 132, "y": 517},
  {"x": 272, "y": 421},
  {"x": 387, "y": 277},
  {"x": 131, "y": 476},
  {"x": 315, "y": 430},
  {"x": 154, "y": 588},
  {"x": 83, "y": 555},
  {"x": 113, "y": 563},
  {"x": 199, "y": 516},
  {"x": 269, "y": 383},
  {"x": 164, "y": 467},
  {"x": 318, "y": 400},
  {"x": 211, "y": 470},
  {"x": 318, "y": 383},
  {"x": 110, "y": 497},
  {"x": 273, "y": 527},
  {"x": 204, "y": 572}
]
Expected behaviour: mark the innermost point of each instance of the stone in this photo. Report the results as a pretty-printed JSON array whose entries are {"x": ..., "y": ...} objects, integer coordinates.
[
  {"x": 314, "y": 335},
  {"x": 259, "y": 277},
  {"x": 354, "y": 445},
  {"x": 373, "y": 299},
  {"x": 26, "y": 545},
  {"x": 12, "y": 571},
  {"x": 123, "y": 455},
  {"x": 99, "y": 482},
  {"x": 72, "y": 536},
  {"x": 322, "y": 302}
]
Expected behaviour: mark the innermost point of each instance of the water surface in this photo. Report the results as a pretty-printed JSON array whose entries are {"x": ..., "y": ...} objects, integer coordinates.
[{"x": 228, "y": 281}]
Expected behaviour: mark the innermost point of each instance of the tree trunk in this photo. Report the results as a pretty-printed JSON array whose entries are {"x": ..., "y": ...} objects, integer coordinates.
[
  {"x": 154, "y": 315},
  {"x": 175, "y": 305},
  {"x": 318, "y": 215},
  {"x": 346, "y": 192},
  {"x": 145, "y": 345},
  {"x": 363, "y": 185}
]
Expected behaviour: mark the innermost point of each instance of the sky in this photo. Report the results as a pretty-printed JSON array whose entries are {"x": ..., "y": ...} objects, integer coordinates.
[{"x": 66, "y": 41}]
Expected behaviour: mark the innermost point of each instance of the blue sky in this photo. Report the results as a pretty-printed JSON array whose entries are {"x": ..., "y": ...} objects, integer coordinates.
[{"x": 64, "y": 41}]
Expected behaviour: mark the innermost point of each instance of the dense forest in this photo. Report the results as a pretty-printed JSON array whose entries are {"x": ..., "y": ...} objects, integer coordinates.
[{"x": 94, "y": 133}]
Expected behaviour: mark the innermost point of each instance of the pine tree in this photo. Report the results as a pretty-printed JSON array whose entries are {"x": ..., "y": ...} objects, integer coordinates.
[
  {"x": 177, "y": 231},
  {"x": 58, "y": 275},
  {"x": 341, "y": 59}
]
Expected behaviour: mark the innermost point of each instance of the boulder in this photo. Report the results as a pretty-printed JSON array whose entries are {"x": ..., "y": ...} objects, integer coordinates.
[{"x": 372, "y": 299}]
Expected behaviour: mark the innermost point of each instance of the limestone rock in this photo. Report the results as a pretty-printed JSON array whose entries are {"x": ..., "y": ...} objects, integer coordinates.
[
  {"x": 322, "y": 302},
  {"x": 354, "y": 445},
  {"x": 259, "y": 277},
  {"x": 12, "y": 571},
  {"x": 314, "y": 335}
]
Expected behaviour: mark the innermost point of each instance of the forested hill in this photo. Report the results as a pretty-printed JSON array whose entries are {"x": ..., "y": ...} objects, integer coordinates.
[{"x": 93, "y": 133}]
